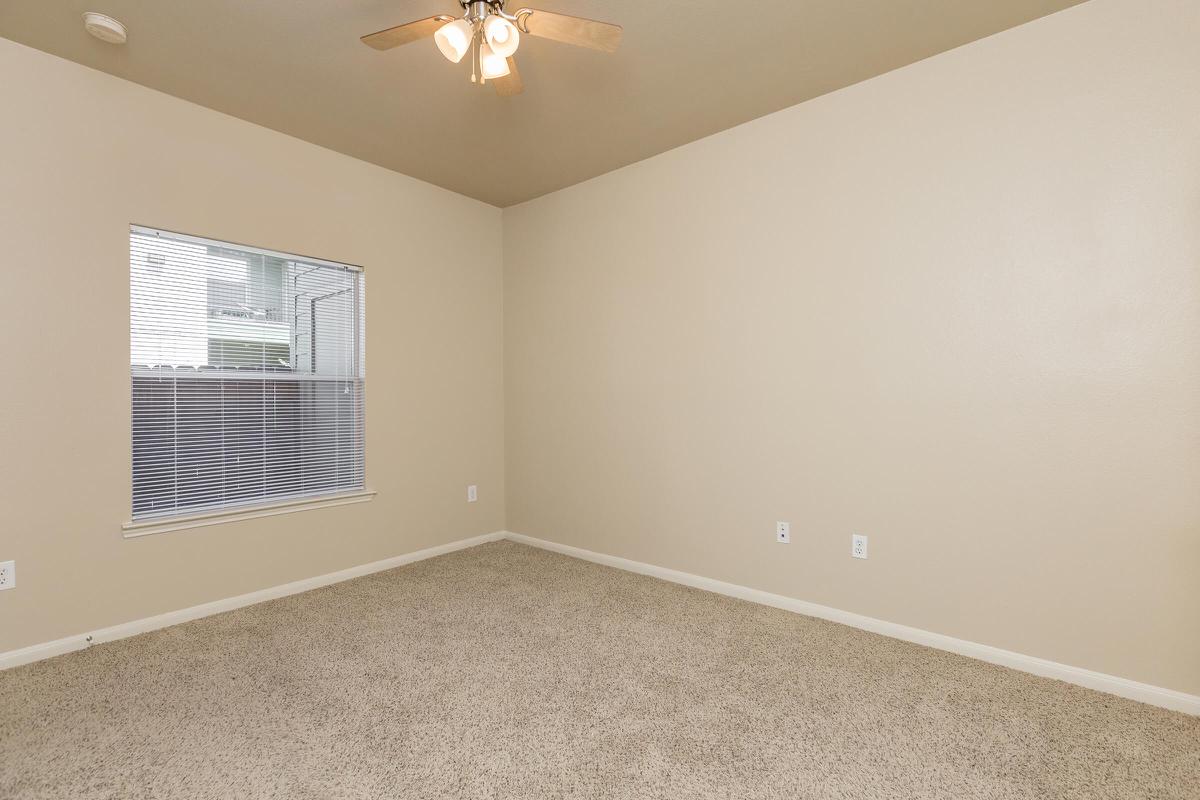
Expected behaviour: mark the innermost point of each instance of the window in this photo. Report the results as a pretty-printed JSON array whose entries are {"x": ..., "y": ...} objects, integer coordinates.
[{"x": 247, "y": 376}]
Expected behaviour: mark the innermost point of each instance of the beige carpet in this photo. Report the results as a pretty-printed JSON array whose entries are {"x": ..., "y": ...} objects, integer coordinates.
[{"x": 509, "y": 672}]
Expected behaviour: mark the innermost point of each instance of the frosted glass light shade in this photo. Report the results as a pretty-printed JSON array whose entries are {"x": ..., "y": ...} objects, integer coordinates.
[
  {"x": 492, "y": 65},
  {"x": 502, "y": 35},
  {"x": 454, "y": 39}
]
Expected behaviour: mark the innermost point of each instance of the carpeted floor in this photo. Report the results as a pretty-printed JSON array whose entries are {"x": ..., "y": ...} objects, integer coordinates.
[{"x": 509, "y": 672}]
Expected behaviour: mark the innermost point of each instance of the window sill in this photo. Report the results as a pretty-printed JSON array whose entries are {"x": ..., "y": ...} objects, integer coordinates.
[{"x": 149, "y": 527}]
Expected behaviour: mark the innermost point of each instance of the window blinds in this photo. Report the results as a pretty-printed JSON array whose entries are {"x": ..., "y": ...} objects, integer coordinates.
[{"x": 247, "y": 371}]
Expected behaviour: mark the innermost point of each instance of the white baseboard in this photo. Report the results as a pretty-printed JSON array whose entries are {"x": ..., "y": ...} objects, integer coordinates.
[
  {"x": 25, "y": 655},
  {"x": 1122, "y": 687}
]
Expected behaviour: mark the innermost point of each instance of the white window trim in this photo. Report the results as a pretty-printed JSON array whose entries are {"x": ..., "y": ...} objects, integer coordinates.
[{"x": 149, "y": 527}]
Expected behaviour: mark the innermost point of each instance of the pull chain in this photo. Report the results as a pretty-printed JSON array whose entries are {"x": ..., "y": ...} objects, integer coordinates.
[{"x": 474, "y": 57}]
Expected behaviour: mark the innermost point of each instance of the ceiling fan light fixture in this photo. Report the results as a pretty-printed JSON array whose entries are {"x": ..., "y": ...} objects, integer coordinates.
[
  {"x": 454, "y": 39},
  {"x": 491, "y": 35},
  {"x": 502, "y": 35},
  {"x": 492, "y": 65}
]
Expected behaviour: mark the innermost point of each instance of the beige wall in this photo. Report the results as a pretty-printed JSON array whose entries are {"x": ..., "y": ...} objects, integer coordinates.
[
  {"x": 82, "y": 155},
  {"x": 954, "y": 308}
]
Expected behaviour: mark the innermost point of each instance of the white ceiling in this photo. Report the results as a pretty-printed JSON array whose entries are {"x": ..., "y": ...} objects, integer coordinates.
[{"x": 684, "y": 70}]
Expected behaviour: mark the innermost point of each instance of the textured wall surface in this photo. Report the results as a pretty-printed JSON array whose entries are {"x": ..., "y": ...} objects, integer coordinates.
[
  {"x": 85, "y": 155},
  {"x": 954, "y": 308}
]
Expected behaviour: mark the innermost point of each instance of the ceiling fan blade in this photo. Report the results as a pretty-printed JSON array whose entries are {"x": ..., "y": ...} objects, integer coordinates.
[
  {"x": 571, "y": 30},
  {"x": 510, "y": 84},
  {"x": 403, "y": 34}
]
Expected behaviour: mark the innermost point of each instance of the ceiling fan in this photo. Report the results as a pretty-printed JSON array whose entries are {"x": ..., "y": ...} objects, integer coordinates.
[{"x": 492, "y": 35}]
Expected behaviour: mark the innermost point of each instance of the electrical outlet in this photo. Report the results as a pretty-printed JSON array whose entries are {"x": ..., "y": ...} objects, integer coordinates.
[
  {"x": 858, "y": 546},
  {"x": 783, "y": 532},
  {"x": 8, "y": 574},
  {"x": 472, "y": 493}
]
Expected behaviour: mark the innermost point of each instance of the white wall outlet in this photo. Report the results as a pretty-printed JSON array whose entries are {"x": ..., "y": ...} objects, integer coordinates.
[
  {"x": 472, "y": 493},
  {"x": 8, "y": 574},
  {"x": 783, "y": 532},
  {"x": 858, "y": 546}
]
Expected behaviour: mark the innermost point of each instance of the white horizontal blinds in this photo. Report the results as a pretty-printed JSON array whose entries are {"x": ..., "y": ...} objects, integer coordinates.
[{"x": 248, "y": 374}]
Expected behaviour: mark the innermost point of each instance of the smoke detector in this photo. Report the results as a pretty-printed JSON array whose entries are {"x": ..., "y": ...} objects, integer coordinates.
[{"x": 104, "y": 28}]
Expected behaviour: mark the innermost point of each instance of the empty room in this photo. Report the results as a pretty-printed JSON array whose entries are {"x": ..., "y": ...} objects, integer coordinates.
[{"x": 604, "y": 399}]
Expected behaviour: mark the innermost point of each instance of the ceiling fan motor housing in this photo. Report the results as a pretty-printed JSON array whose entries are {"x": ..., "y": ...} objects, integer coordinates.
[{"x": 478, "y": 9}]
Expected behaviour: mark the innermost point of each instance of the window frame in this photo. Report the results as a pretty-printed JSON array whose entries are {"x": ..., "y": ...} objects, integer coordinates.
[{"x": 185, "y": 519}]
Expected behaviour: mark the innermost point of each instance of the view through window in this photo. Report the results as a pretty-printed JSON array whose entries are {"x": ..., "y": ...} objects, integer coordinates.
[{"x": 247, "y": 371}]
